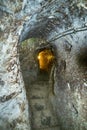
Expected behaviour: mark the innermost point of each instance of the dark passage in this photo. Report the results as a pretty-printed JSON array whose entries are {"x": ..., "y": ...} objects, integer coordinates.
[{"x": 36, "y": 69}]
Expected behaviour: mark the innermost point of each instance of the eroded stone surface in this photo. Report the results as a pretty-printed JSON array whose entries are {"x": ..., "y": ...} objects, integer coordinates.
[
  {"x": 52, "y": 20},
  {"x": 70, "y": 79},
  {"x": 13, "y": 102}
]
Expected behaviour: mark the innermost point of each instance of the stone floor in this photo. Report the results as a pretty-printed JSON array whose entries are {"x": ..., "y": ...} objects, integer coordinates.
[{"x": 42, "y": 114}]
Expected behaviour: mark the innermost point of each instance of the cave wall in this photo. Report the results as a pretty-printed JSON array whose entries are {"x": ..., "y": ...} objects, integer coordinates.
[
  {"x": 70, "y": 86},
  {"x": 20, "y": 20},
  {"x": 14, "y": 110},
  {"x": 13, "y": 102}
]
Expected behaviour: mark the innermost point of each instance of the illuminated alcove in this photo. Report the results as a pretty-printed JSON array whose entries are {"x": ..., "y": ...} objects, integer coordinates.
[{"x": 36, "y": 58}]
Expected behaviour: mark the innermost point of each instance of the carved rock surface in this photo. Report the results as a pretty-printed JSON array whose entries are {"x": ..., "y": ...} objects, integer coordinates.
[{"x": 63, "y": 23}]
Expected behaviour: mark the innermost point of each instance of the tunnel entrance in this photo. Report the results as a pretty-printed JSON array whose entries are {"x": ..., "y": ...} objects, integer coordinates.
[{"x": 36, "y": 59}]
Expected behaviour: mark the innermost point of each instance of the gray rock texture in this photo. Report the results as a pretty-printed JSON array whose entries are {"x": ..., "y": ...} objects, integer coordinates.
[
  {"x": 70, "y": 81},
  {"x": 63, "y": 24},
  {"x": 14, "y": 113}
]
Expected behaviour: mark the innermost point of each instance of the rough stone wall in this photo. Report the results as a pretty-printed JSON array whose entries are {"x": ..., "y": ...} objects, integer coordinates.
[
  {"x": 54, "y": 17},
  {"x": 13, "y": 103},
  {"x": 70, "y": 86},
  {"x": 14, "y": 113},
  {"x": 52, "y": 20}
]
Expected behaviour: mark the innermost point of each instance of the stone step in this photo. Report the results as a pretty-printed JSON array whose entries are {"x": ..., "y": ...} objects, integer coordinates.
[
  {"x": 38, "y": 88},
  {"x": 38, "y": 93},
  {"x": 41, "y": 82},
  {"x": 37, "y": 105},
  {"x": 39, "y": 85},
  {"x": 44, "y": 118},
  {"x": 50, "y": 128},
  {"x": 48, "y": 114}
]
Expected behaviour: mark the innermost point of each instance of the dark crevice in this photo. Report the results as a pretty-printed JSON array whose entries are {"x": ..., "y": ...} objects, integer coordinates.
[{"x": 82, "y": 58}]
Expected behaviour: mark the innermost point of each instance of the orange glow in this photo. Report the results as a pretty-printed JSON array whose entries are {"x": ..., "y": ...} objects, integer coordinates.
[
  {"x": 39, "y": 57},
  {"x": 45, "y": 58}
]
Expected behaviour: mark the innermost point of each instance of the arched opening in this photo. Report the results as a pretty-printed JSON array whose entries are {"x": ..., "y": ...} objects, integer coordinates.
[{"x": 37, "y": 58}]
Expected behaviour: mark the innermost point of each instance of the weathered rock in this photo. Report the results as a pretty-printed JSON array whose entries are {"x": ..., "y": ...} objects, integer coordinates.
[
  {"x": 14, "y": 113},
  {"x": 63, "y": 23},
  {"x": 70, "y": 82}
]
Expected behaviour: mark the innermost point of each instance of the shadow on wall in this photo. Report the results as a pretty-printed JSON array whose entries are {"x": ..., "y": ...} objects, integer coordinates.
[{"x": 82, "y": 58}]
